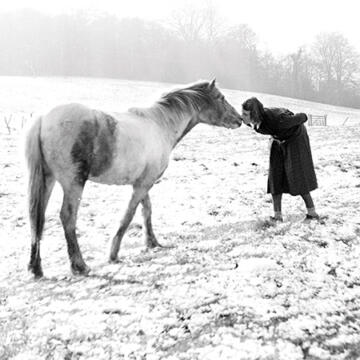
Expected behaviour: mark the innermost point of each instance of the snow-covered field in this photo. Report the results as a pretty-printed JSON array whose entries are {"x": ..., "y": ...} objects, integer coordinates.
[{"x": 230, "y": 285}]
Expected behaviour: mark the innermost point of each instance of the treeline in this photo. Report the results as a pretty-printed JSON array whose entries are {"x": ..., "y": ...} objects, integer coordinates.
[{"x": 193, "y": 45}]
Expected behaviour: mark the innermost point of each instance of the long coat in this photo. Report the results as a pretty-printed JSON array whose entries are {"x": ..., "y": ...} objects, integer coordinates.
[{"x": 291, "y": 167}]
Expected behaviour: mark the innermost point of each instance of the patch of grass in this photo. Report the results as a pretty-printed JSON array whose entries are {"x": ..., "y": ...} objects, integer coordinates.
[
  {"x": 282, "y": 230},
  {"x": 179, "y": 157},
  {"x": 13, "y": 337},
  {"x": 263, "y": 225},
  {"x": 182, "y": 258},
  {"x": 144, "y": 257}
]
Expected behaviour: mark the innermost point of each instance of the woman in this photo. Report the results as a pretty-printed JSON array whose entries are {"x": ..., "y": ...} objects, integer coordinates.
[{"x": 291, "y": 165}]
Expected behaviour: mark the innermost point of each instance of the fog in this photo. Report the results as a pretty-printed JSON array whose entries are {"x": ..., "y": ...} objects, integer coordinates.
[{"x": 181, "y": 44}]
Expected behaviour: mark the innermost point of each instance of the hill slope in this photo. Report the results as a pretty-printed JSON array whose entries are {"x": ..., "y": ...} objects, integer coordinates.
[{"x": 26, "y": 94}]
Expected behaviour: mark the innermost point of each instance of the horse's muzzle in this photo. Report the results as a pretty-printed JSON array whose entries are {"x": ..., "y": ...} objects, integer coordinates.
[
  {"x": 238, "y": 121},
  {"x": 234, "y": 124}
]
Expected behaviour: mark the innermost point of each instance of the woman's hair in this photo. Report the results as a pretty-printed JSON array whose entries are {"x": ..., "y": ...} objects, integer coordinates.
[{"x": 256, "y": 109}]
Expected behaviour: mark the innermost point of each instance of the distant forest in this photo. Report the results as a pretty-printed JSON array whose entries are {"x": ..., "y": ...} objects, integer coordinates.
[{"x": 192, "y": 45}]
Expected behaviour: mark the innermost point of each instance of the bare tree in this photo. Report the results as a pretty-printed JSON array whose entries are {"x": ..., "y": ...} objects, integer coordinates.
[
  {"x": 188, "y": 23},
  {"x": 337, "y": 62},
  {"x": 243, "y": 36},
  {"x": 214, "y": 23},
  {"x": 300, "y": 70},
  {"x": 194, "y": 24}
]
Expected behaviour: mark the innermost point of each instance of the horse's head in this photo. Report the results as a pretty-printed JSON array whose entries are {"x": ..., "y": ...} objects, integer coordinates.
[{"x": 218, "y": 111}]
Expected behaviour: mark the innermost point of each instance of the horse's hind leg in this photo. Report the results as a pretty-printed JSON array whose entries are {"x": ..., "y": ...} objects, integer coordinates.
[
  {"x": 150, "y": 238},
  {"x": 68, "y": 216},
  {"x": 35, "y": 259},
  {"x": 138, "y": 194}
]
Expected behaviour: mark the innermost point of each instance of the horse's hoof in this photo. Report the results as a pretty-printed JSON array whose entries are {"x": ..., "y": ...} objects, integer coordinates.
[
  {"x": 36, "y": 271},
  {"x": 77, "y": 269},
  {"x": 153, "y": 243},
  {"x": 38, "y": 276},
  {"x": 154, "y": 247},
  {"x": 114, "y": 260}
]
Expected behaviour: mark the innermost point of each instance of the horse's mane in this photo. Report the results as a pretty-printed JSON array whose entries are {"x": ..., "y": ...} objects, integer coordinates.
[{"x": 178, "y": 102}]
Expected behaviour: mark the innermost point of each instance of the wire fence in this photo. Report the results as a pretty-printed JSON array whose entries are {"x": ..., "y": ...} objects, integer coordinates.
[{"x": 317, "y": 120}]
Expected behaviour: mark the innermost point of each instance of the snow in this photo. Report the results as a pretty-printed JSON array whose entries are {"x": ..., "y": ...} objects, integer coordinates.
[{"x": 228, "y": 284}]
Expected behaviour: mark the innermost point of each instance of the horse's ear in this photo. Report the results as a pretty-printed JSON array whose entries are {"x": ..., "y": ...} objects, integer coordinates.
[{"x": 212, "y": 84}]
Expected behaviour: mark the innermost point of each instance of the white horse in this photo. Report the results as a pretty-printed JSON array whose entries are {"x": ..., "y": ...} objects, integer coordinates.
[{"x": 73, "y": 144}]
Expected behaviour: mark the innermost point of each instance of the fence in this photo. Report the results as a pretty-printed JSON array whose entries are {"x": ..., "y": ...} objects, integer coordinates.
[{"x": 320, "y": 120}]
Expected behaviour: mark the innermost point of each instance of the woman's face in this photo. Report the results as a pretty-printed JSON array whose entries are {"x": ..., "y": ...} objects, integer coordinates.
[{"x": 246, "y": 117}]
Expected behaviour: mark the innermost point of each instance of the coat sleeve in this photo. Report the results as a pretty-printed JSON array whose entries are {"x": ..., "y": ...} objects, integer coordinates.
[{"x": 288, "y": 120}]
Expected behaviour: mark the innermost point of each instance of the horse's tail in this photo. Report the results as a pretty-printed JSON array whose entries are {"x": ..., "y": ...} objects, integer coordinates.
[{"x": 36, "y": 185}]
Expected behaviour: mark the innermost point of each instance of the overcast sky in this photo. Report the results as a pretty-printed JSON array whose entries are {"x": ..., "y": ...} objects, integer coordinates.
[{"x": 281, "y": 25}]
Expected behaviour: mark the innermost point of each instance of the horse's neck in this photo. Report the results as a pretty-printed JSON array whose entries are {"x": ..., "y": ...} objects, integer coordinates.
[
  {"x": 179, "y": 127},
  {"x": 192, "y": 122},
  {"x": 175, "y": 126}
]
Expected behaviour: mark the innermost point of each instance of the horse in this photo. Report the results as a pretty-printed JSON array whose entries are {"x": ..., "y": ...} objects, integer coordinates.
[{"x": 73, "y": 144}]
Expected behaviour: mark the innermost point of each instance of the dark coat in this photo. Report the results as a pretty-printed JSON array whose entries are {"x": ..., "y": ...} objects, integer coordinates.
[{"x": 291, "y": 166}]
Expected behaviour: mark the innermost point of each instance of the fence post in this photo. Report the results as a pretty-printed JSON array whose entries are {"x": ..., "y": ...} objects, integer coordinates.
[{"x": 310, "y": 119}]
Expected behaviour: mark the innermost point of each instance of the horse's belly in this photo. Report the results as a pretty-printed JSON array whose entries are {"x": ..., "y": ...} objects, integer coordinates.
[
  {"x": 129, "y": 174},
  {"x": 118, "y": 175}
]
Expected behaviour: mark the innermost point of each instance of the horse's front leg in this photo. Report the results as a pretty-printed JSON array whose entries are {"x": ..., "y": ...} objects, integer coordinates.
[
  {"x": 138, "y": 194},
  {"x": 150, "y": 238}
]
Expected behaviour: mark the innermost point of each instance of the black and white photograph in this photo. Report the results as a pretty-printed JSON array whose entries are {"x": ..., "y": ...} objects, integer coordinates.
[{"x": 180, "y": 180}]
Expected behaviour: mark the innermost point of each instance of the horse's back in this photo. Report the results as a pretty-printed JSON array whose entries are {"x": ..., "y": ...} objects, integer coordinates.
[
  {"x": 90, "y": 144},
  {"x": 66, "y": 116}
]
